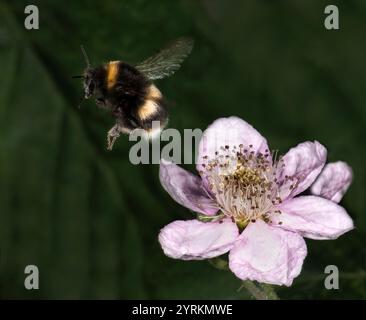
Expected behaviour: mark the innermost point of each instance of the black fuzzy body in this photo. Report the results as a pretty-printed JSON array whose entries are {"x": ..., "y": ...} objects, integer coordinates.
[{"x": 128, "y": 94}]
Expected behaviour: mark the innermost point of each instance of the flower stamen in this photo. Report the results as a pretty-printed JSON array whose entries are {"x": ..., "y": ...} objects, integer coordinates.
[{"x": 245, "y": 183}]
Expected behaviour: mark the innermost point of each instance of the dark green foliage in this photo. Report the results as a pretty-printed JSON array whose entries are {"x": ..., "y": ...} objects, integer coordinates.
[{"x": 87, "y": 217}]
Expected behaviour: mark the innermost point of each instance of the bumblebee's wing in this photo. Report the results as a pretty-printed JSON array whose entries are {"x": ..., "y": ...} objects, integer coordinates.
[{"x": 166, "y": 61}]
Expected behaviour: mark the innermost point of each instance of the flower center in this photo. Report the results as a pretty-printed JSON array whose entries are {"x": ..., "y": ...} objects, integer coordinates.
[{"x": 243, "y": 183}]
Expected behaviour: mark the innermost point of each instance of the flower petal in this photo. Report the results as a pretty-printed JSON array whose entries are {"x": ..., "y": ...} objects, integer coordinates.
[
  {"x": 185, "y": 188},
  {"x": 303, "y": 163},
  {"x": 267, "y": 254},
  {"x": 230, "y": 132},
  {"x": 313, "y": 217},
  {"x": 333, "y": 181},
  {"x": 196, "y": 240}
]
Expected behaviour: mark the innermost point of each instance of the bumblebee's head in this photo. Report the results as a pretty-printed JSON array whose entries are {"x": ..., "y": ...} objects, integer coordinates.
[
  {"x": 89, "y": 83},
  {"x": 88, "y": 77}
]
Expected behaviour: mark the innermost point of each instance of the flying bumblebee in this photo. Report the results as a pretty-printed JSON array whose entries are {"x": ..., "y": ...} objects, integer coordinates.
[{"x": 128, "y": 92}]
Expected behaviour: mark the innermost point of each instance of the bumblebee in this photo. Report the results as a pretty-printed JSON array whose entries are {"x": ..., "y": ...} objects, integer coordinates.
[{"x": 128, "y": 92}]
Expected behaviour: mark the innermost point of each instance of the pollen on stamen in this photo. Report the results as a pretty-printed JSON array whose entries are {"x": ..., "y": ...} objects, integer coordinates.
[{"x": 243, "y": 183}]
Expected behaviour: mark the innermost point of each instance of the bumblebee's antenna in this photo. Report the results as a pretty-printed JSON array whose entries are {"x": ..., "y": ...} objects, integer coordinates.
[{"x": 85, "y": 56}]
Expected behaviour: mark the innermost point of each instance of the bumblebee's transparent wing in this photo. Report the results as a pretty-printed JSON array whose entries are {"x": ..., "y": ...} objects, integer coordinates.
[{"x": 166, "y": 61}]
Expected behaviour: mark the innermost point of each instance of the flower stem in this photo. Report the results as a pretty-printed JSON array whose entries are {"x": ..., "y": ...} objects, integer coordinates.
[
  {"x": 269, "y": 291},
  {"x": 261, "y": 291},
  {"x": 257, "y": 293}
]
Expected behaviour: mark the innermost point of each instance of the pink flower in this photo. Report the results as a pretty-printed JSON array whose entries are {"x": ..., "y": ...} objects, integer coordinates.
[
  {"x": 248, "y": 206},
  {"x": 333, "y": 181}
]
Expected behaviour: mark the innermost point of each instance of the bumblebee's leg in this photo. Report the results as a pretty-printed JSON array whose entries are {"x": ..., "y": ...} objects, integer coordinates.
[
  {"x": 121, "y": 126},
  {"x": 112, "y": 136}
]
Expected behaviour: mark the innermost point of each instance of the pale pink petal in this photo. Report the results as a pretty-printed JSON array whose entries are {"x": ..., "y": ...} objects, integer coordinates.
[
  {"x": 302, "y": 164},
  {"x": 185, "y": 188},
  {"x": 333, "y": 181},
  {"x": 267, "y": 254},
  {"x": 230, "y": 132},
  {"x": 196, "y": 240},
  {"x": 313, "y": 217}
]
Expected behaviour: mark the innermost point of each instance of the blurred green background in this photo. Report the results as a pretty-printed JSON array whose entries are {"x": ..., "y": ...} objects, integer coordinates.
[{"x": 88, "y": 218}]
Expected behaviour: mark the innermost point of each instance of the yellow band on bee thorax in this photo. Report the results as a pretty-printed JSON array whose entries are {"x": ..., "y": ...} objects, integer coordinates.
[{"x": 112, "y": 73}]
